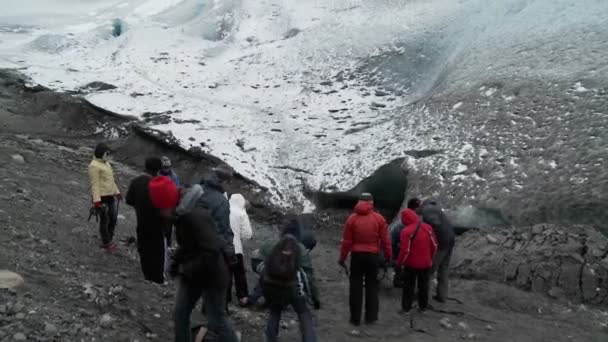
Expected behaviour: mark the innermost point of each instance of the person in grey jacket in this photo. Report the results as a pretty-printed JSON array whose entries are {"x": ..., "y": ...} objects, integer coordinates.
[
  {"x": 210, "y": 195},
  {"x": 432, "y": 214}
]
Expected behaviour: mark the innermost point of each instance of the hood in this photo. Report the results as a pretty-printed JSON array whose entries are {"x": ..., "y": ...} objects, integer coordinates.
[
  {"x": 189, "y": 199},
  {"x": 408, "y": 216},
  {"x": 292, "y": 228},
  {"x": 364, "y": 207},
  {"x": 100, "y": 150},
  {"x": 237, "y": 201},
  {"x": 212, "y": 181}
]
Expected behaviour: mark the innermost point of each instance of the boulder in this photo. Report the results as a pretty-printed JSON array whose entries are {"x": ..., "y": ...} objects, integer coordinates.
[
  {"x": 561, "y": 262},
  {"x": 10, "y": 280},
  {"x": 17, "y": 158}
]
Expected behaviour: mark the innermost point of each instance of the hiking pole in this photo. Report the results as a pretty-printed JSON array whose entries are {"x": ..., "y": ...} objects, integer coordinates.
[{"x": 345, "y": 270}]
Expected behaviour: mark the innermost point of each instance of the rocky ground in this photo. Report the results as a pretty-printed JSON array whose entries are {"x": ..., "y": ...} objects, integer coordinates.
[{"x": 75, "y": 292}]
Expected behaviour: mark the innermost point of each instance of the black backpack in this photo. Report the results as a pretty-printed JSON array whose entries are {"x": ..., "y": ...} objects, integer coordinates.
[{"x": 281, "y": 267}]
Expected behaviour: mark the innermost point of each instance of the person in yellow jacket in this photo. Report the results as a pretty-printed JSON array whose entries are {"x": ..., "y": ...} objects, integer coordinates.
[{"x": 105, "y": 195}]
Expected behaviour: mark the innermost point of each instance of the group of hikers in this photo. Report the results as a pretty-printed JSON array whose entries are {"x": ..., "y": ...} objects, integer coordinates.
[{"x": 210, "y": 226}]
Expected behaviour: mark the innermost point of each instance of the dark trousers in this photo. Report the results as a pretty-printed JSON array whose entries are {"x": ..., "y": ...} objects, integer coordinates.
[
  {"x": 256, "y": 294},
  {"x": 107, "y": 219},
  {"x": 152, "y": 257},
  {"x": 411, "y": 277},
  {"x": 441, "y": 265},
  {"x": 169, "y": 234},
  {"x": 364, "y": 269},
  {"x": 220, "y": 329},
  {"x": 278, "y": 299},
  {"x": 239, "y": 276}
]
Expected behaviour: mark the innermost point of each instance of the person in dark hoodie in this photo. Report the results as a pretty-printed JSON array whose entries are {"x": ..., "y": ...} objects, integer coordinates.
[
  {"x": 280, "y": 294},
  {"x": 151, "y": 243},
  {"x": 300, "y": 227},
  {"x": 199, "y": 265},
  {"x": 418, "y": 247},
  {"x": 433, "y": 215},
  {"x": 365, "y": 232}
]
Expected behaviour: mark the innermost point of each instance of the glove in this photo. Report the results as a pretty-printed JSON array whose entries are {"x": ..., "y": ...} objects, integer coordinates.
[
  {"x": 119, "y": 197},
  {"x": 316, "y": 304},
  {"x": 98, "y": 205}
]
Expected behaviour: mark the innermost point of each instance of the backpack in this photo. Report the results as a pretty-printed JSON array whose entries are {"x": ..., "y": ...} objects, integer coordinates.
[{"x": 281, "y": 267}]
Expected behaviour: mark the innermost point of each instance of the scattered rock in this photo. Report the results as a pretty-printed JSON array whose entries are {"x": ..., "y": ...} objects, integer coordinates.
[
  {"x": 50, "y": 328},
  {"x": 17, "y": 158},
  {"x": 463, "y": 326},
  {"x": 538, "y": 229},
  {"x": 20, "y": 315},
  {"x": 381, "y": 93},
  {"x": 445, "y": 323},
  {"x": 19, "y": 337},
  {"x": 10, "y": 280},
  {"x": 291, "y": 33},
  {"x": 378, "y": 105},
  {"x": 106, "y": 320},
  {"x": 489, "y": 328},
  {"x": 99, "y": 86},
  {"x": 18, "y": 307},
  {"x": 326, "y": 83},
  {"x": 492, "y": 239},
  {"x": 195, "y": 150}
]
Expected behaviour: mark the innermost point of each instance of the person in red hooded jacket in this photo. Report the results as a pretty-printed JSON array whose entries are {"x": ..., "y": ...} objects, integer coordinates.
[
  {"x": 365, "y": 232},
  {"x": 418, "y": 248}
]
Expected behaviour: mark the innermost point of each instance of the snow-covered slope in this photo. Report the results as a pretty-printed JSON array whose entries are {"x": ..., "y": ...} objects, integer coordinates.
[{"x": 285, "y": 90}]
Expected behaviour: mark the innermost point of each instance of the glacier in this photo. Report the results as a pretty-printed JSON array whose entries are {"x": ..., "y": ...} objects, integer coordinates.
[{"x": 325, "y": 91}]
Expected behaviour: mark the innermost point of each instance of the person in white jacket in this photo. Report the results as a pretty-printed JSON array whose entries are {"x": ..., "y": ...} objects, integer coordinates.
[{"x": 241, "y": 228}]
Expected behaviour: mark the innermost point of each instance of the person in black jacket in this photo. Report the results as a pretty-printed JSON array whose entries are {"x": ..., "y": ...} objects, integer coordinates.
[
  {"x": 150, "y": 226},
  {"x": 432, "y": 214},
  {"x": 198, "y": 264}
]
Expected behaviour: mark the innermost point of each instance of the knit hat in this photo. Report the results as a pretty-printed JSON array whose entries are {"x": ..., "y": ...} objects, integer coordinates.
[
  {"x": 366, "y": 196},
  {"x": 101, "y": 149},
  {"x": 153, "y": 165},
  {"x": 166, "y": 162},
  {"x": 163, "y": 193},
  {"x": 414, "y": 203}
]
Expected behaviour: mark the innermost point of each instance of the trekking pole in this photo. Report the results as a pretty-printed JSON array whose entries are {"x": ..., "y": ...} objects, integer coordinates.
[{"x": 345, "y": 270}]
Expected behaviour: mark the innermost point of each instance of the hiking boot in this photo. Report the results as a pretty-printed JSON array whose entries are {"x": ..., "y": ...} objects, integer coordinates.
[
  {"x": 438, "y": 299},
  {"x": 110, "y": 247},
  {"x": 354, "y": 332},
  {"x": 370, "y": 321}
]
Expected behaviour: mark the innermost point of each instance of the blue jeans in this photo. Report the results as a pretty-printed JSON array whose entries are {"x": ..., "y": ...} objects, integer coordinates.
[
  {"x": 219, "y": 327},
  {"x": 278, "y": 299}
]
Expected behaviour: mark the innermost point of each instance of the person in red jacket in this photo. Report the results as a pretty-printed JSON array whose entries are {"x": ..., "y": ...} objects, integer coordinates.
[
  {"x": 365, "y": 232},
  {"x": 418, "y": 248}
]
